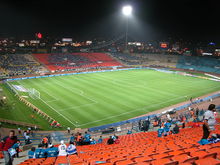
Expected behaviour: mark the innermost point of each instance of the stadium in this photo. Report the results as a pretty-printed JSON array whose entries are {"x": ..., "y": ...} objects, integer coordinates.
[{"x": 114, "y": 101}]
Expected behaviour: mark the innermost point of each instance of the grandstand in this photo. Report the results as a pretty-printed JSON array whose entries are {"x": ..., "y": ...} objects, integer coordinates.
[
  {"x": 204, "y": 64},
  {"x": 144, "y": 148},
  {"x": 76, "y": 60},
  {"x": 136, "y": 148},
  {"x": 20, "y": 64}
]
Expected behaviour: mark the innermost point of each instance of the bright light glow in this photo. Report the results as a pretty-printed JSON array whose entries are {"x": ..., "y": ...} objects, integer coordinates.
[{"x": 127, "y": 10}]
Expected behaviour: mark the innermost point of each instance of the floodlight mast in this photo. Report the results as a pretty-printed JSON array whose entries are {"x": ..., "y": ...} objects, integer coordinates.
[{"x": 127, "y": 11}]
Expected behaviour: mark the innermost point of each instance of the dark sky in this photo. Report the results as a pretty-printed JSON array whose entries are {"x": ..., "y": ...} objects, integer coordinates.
[{"x": 80, "y": 19}]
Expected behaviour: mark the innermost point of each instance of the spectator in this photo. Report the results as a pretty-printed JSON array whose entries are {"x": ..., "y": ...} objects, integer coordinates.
[
  {"x": 197, "y": 112},
  {"x": 49, "y": 139},
  {"x": 79, "y": 139},
  {"x": 140, "y": 125},
  {"x": 100, "y": 139},
  {"x": 40, "y": 152},
  {"x": 209, "y": 121},
  {"x": 93, "y": 141},
  {"x": 16, "y": 147},
  {"x": 129, "y": 132},
  {"x": 175, "y": 129},
  {"x": 25, "y": 134},
  {"x": 167, "y": 126},
  {"x": 114, "y": 137},
  {"x": 71, "y": 149},
  {"x": 31, "y": 153},
  {"x": 183, "y": 124},
  {"x": 117, "y": 141},
  {"x": 52, "y": 151},
  {"x": 87, "y": 137},
  {"x": 45, "y": 141},
  {"x": 19, "y": 131},
  {"x": 27, "y": 139},
  {"x": 68, "y": 130},
  {"x": 72, "y": 138},
  {"x": 214, "y": 138},
  {"x": 7, "y": 143},
  {"x": 160, "y": 131},
  {"x": 62, "y": 149},
  {"x": 110, "y": 140}
]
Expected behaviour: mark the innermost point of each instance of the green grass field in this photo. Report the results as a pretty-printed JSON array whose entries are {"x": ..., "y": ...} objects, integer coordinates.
[{"x": 87, "y": 100}]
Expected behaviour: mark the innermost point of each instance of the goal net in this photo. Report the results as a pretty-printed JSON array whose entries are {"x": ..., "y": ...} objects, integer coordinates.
[{"x": 34, "y": 94}]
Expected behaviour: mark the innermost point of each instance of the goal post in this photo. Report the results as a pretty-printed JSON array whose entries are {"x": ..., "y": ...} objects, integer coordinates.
[{"x": 34, "y": 94}]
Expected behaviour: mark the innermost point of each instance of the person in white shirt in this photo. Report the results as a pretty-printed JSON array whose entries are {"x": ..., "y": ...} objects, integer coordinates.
[
  {"x": 209, "y": 121},
  {"x": 71, "y": 149},
  {"x": 68, "y": 130},
  {"x": 62, "y": 149}
]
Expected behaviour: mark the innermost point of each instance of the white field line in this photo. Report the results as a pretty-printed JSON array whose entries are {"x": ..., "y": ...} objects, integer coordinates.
[
  {"x": 55, "y": 110},
  {"x": 52, "y": 100},
  {"x": 55, "y": 98},
  {"x": 81, "y": 94},
  {"x": 58, "y": 112},
  {"x": 138, "y": 86},
  {"x": 129, "y": 111},
  {"x": 153, "y": 105},
  {"x": 76, "y": 107},
  {"x": 140, "y": 108},
  {"x": 73, "y": 91}
]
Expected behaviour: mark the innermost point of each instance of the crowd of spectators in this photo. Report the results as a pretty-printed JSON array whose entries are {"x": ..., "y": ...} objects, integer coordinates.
[
  {"x": 47, "y": 149},
  {"x": 19, "y": 64},
  {"x": 85, "y": 139},
  {"x": 68, "y": 60}
]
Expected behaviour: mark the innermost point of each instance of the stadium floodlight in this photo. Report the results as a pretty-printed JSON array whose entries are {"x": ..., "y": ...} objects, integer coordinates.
[{"x": 127, "y": 11}]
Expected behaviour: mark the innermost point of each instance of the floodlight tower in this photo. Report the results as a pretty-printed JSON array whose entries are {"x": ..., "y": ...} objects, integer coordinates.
[{"x": 127, "y": 12}]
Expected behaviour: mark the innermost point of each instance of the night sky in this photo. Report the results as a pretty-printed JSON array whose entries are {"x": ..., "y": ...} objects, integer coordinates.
[{"x": 152, "y": 19}]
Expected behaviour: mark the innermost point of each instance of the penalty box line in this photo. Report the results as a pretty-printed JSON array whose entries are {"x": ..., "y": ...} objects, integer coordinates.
[{"x": 55, "y": 110}]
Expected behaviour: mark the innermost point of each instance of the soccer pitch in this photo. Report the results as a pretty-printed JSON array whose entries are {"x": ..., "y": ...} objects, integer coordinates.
[{"x": 87, "y": 100}]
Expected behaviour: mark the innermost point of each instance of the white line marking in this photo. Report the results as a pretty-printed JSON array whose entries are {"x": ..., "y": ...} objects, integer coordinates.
[
  {"x": 73, "y": 91},
  {"x": 153, "y": 105},
  {"x": 76, "y": 107},
  {"x": 140, "y": 108},
  {"x": 55, "y": 110}
]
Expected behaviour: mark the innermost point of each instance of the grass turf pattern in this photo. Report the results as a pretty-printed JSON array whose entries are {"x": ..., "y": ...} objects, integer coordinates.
[{"x": 87, "y": 100}]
